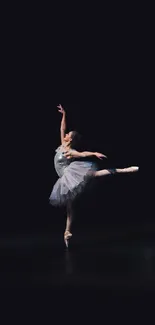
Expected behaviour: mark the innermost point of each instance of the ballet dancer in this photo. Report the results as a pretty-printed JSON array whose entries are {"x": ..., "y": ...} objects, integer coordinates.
[{"x": 75, "y": 172}]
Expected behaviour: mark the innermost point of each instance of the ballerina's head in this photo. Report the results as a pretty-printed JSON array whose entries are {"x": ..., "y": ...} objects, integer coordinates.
[{"x": 73, "y": 138}]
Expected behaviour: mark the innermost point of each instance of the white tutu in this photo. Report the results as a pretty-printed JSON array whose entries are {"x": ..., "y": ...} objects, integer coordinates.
[{"x": 73, "y": 181}]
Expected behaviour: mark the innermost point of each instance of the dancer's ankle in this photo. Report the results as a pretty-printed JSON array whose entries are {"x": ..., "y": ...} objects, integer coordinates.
[{"x": 67, "y": 230}]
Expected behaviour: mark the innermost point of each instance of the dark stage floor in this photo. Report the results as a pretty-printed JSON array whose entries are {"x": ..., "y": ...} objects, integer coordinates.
[
  {"x": 106, "y": 273},
  {"x": 110, "y": 258}
]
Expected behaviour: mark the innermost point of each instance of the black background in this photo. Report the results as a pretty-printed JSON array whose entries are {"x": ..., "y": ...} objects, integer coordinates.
[
  {"x": 103, "y": 87},
  {"x": 99, "y": 70}
]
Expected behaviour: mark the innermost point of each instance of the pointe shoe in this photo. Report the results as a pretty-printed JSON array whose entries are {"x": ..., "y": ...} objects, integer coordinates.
[
  {"x": 131, "y": 169},
  {"x": 67, "y": 236}
]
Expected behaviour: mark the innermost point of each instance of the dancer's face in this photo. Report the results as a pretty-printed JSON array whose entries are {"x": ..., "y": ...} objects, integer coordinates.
[{"x": 68, "y": 137}]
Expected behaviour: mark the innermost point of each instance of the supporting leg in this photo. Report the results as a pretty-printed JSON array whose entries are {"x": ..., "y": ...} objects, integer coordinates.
[
  {"x": 69, "y": 217},
  {"x": 67, "y": 234}
]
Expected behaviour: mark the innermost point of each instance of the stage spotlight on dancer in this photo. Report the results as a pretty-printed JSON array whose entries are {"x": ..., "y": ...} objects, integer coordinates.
[{"x": 75, "y": 172}]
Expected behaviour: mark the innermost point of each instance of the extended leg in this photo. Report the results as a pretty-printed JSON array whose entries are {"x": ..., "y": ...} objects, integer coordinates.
[{"x": 110, "y": 171}]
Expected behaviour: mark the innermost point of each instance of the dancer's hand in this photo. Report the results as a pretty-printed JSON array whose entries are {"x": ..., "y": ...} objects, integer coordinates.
[
  {"x": 100, "y": 155},
  {"x": 68, "y": 154},
  {"x": 61, "y": 109}
]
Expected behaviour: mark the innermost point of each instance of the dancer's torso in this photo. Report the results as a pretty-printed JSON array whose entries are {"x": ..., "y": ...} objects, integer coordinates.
[{"x": 60, "y": 161}]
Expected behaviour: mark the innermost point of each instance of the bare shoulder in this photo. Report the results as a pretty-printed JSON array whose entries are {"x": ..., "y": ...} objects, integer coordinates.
[{"x": 71, "y": 153}]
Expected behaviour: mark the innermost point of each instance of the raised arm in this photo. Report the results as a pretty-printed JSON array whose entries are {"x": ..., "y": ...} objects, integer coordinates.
[
  {"x": 76, "y": 154},
  {"x": 63, "y": 122}
]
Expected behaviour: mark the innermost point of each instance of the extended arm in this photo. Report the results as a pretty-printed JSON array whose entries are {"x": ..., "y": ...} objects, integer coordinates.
[
  {"x": 76, "y": 154},
  {"x": 63, "y": 123}
]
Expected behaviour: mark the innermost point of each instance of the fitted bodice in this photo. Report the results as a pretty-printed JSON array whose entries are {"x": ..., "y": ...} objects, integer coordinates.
[{"x": 60, "y": 161}]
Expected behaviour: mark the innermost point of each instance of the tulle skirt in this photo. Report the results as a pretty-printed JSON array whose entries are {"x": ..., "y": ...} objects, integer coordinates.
[{"x": 74, "y": 180}]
